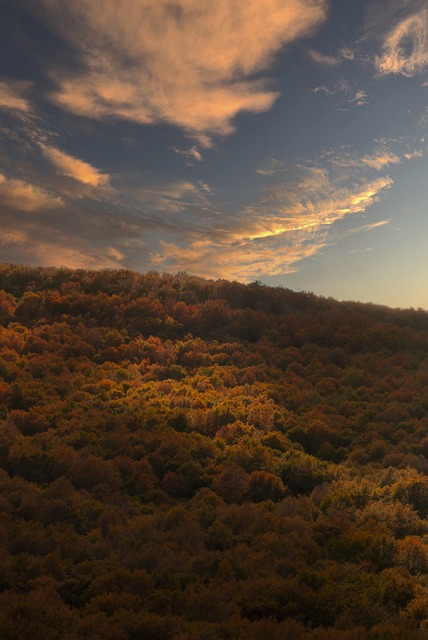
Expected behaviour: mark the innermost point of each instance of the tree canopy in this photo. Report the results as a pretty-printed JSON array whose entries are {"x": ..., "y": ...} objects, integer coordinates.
[{"x": 189, "y": 459}]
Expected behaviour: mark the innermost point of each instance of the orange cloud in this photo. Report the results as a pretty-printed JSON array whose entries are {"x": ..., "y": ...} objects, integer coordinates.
[
  {"x": 387, "y": 153},
  {"x": 188, "y": 62},
  {"x": 234, "y": 261},
  {"x": 305, "y": 215},
  {"x": 63, "y": 250},
  {"x": 292, "y": 221},
  {"x": 405, "y": 48},
  {"x": 23, "y": 196},
  {"x": 11, "y": 95},
  {"x": 48, "y": 254},
  {"x": 74, "y": 168},
  {"x": 289, "y": 224},
  {"x": 380, "y": 159},
  {"x": 418, "y": 153}
]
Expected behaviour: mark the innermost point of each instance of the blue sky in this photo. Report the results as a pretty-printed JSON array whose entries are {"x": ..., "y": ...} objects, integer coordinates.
[{"x": 283, "y": 141}]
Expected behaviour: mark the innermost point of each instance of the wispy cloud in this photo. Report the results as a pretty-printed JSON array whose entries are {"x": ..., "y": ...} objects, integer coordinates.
[
  {"x": 324, "y": 59},
  {"x": 12, "y": 95},
  {"x": 343, "y": 54},
  {"x": 322, "y": 88},
  {"x": 74, "y": 168},
  {"x": 405, "y": 47},
  {"x": 198, "y": 76},
  {"x": 20, "y": 195},
  {"x": 270, "y": 167},
  {"x": 418, "y": 153},
  {"x": 192, "y": 153},
  {"x": 81, "y": 236},
  {"x": 56, "y": 254},
  {"x": 423, "y": 120},
  {"x": 359, "y": 99},
  {"x": 379, "y": 160},
  {"x": 312, "y": 199},
  {"x": 347, "y": 53},
  {"x": 290, "y": 222},
  {"x": 235, "y": 261},
  {"x": 340, "y": 86},
  {"x": 179, "y": 225},
  {"x": 166, "y": 196},
  {"x": 368, "y": 227},
  {"x": 26, "y": 138},
  {"x": 365, "y": 250},
  {"x": 385, "y": 154}
]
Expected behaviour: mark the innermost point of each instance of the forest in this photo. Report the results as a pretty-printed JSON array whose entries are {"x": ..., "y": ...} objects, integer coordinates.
[{"x": 190, "y": 459}]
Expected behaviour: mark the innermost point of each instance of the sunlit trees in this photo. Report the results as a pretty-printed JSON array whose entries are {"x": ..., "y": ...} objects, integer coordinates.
[{"x": 186, "y": 459}]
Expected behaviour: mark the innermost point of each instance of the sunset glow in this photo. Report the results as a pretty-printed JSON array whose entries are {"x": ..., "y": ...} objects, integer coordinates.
[{"x": 283, "y": 140}]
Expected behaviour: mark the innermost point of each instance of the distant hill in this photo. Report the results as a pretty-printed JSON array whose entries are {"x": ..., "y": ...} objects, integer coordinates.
[{"x": 188, "y": 459}]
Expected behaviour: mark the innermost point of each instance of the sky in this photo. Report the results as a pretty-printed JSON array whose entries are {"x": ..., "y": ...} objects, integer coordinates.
[{"x": 284, "y": 141}]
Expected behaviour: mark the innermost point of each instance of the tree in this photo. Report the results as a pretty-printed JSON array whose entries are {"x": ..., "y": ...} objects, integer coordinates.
[{"x": 265, "y": 486}]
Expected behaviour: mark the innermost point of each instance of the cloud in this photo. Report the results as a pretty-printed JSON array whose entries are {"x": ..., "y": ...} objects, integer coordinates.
[
  {"x": 192, "y": 153},
  {"x": 423, "y": 120},
  {"x": 414, "y": 154},
  {"x": 11, "y": 95},
  {"x": 235, "y": 261},
  {"x": 346, "y": 53},
  {"x": 342, "y": 86},
  {"x": 405, "y": 47},
  {"x": 290, "y": 222},
  {"x": 359, "y": 99},
  {"x": 49, "y": 254},
  {"x": 74, "y": 168},
  {"x": 25, "y": 137},
  {"x": 179, "y": 225},
  {"x": 270, "y": 167},
  {"x": 82, "y": 236},
  {"x": 368, "y": 227},
  {"x": 365, "y": 250},
  {"x": 323, "y": 59},
  {"x": 23, "y": 196},
  {"x": 379, "y": 160},
  {"x": 324, "y": 89},
  {"x": 56, "y": 254},
  {"x": 168, "y": 197},
  {"x": 385, "y": 154},
  {"x": 313, "y": 200},
  {"x": 192, "y": 64}
]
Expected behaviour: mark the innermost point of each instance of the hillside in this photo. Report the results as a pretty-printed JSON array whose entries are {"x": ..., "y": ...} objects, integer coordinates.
[{"x": 184, "y": 459}]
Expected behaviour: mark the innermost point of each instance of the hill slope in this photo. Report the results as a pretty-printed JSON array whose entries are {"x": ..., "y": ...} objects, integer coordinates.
[{"x": 188, "y": 459}]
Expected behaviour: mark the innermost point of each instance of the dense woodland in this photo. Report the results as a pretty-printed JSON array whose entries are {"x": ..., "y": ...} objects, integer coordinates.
[{"x": 183, "y": 459}]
